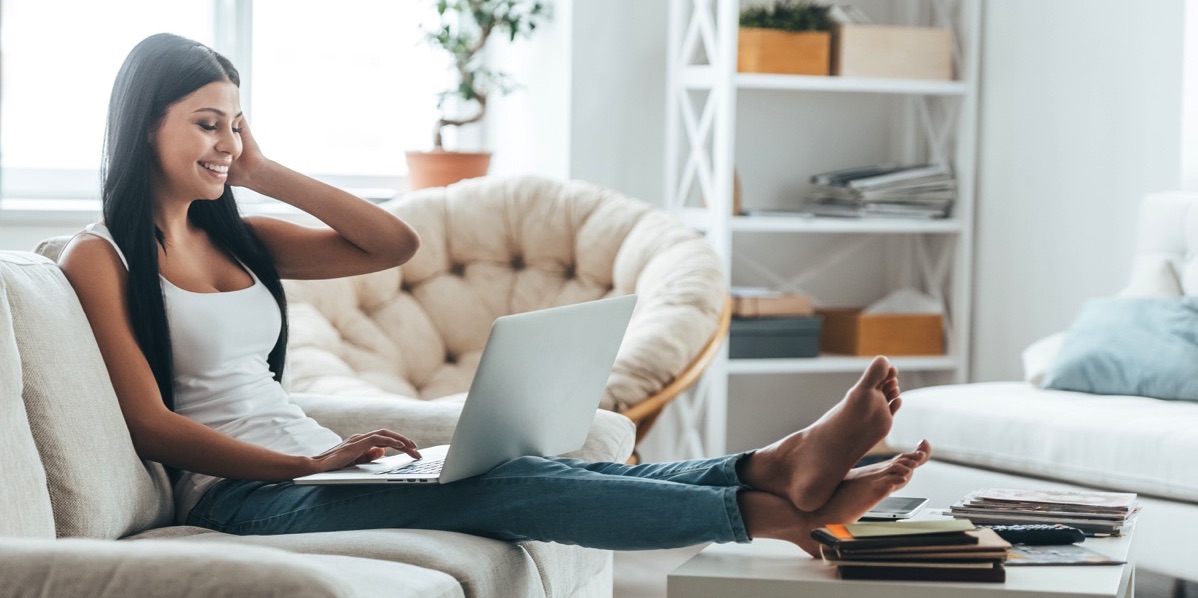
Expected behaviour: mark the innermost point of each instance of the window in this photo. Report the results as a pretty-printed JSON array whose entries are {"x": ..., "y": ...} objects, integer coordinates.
[
  {"x": 344, "y": 91},
  {"x": 58, "y": 68},
  {"x": 337, "y": 91}
]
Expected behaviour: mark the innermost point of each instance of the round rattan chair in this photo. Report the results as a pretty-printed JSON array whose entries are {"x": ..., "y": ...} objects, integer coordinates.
[{"x": 498, "y": 246}]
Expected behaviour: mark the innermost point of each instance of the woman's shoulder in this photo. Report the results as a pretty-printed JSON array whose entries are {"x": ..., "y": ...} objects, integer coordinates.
[
  {"x": 95, "y": 270},
  {"x": 93, "y": 244},
  {"x": 91, "y": 251}
]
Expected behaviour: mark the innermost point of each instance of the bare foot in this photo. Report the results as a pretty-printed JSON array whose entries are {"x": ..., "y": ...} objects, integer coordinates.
[
  {"x": 770, "y": 516},
  {"x": 855, "y": 497},
  {"x": 806, "y": 467},
  {"x": 919, "y": 456}
]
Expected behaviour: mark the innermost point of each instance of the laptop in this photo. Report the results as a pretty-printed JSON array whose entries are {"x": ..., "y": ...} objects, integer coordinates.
[{"x": 536, "y": 390}]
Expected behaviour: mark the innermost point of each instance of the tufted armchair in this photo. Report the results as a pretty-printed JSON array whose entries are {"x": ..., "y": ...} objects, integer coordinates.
[{"x": 498, "y": 246}]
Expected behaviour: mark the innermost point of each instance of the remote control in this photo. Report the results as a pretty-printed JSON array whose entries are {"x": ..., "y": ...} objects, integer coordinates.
[{"x": 1041, "y": 534}]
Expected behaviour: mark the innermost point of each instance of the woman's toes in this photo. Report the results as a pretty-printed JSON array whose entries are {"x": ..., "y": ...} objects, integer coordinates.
[{"x": 877, "y": 373}]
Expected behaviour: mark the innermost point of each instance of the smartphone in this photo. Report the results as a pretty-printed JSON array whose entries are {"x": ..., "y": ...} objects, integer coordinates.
[{"x": 895, "y": 507}]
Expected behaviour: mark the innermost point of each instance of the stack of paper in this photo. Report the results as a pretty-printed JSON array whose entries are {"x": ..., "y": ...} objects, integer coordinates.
[
  {"x": 1095, "y": 513},
  {"x": 894, "y": 190},
  {"x": 943, "y": 550}
]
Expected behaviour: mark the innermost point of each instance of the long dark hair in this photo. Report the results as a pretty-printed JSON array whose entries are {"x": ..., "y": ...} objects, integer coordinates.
[{"x": 160, "y": 71}]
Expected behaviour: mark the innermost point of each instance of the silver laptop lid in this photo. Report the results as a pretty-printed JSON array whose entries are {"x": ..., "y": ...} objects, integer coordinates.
[{"x": 538, "y": 384}]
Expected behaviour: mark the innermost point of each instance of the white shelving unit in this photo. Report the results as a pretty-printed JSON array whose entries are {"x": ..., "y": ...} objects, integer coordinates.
[{"x": 934, "y": 121}]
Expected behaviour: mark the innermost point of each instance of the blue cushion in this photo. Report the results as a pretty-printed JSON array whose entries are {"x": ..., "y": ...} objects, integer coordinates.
[{"x": 1131, "y": 346}]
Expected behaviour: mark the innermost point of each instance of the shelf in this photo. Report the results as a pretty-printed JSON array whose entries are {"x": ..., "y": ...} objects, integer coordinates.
[
  {"x": 838, "y": 364},
  {"x": 704, "y": 77},
  {"x": 698, "y": 219},
  {"x": 713, "y": 123}
]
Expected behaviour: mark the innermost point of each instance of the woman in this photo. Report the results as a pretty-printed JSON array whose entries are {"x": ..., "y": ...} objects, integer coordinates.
[{"x": 185, "y": 300}]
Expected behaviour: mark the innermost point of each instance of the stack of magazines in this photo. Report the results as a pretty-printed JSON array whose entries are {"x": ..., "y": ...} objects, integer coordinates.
[
  {"x": 1095, "y": 513},
  {"x": 883, "y": 190},
  {"x": 944, "y": 550}
]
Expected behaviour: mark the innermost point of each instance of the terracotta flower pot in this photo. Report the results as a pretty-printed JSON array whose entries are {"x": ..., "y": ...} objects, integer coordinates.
[{"x": 439, "y": 168}]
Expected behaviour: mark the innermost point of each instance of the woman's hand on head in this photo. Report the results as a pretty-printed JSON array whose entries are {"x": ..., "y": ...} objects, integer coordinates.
[
  {"x": 251, "y": 161},
  {"x": 362, "y": 448}
]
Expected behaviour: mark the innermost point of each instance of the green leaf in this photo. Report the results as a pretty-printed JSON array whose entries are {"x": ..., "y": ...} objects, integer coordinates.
[
  {"x": 460, "y": 33},
  {"x": 788, "y": 15}
]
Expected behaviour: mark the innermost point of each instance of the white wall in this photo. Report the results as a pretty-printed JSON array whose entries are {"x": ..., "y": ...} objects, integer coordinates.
[
  {"x": 1080, "y": 115},
  {"x": 1189, "y": 119},
  {"x": 592, "y": 99},
  {"x": 618, "y": 129},
  {"x": 528, "y": 131}
]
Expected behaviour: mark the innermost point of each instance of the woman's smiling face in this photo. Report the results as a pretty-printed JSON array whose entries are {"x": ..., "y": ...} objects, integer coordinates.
[{"x": 196, "y": 143}]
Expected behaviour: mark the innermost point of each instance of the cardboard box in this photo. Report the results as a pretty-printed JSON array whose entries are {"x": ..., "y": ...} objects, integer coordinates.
[
  {"x": 786, "y": 52},
  {"x": 893, "y": 52},
  {"x": 760, "y": 338},
  {"x": 786, "y": 304},
  {"x": 851, "y": 332}
]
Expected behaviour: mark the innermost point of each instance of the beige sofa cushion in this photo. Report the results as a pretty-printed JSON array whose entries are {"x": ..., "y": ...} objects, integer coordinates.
[
  {"x": 173, "y": 569},
  {"x": 493, "y": 247},
  {"x": 482, "y": 566},
  {"x": 23, "y": 495},
  {"x": 98, "y": 486},
  {"x": 566, "y": 568}
]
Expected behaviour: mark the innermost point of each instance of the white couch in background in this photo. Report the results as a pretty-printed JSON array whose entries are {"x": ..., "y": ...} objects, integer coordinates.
[{"x": 1016, "y": 434}]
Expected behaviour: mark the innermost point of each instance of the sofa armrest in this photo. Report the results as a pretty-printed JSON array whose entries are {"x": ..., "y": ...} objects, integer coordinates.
[
  {"x": 611, "y": 438},
  {"x": 104, "y": 568},
  {"x": 430, "y": 423}
]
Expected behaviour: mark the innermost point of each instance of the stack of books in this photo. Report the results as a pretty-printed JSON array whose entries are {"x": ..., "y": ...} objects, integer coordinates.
[
  {"x": 1095, "y": 513},
  {"x": 941, "y": 550},
  {"x": 761, "y": 302},
  {"x": 883, "y": 190},
  {"x": 772, "y": 324}
]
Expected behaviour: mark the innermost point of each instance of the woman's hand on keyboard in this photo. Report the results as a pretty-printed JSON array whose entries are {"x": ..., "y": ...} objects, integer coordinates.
[{"x": 362, "y": 448}]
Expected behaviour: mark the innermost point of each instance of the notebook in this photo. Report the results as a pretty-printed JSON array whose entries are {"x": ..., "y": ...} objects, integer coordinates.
[{"x": 538, "y": 384}]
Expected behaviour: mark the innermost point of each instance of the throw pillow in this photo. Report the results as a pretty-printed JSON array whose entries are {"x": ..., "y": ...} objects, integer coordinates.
[
  {"x": 1131, "y": 346},
  {"x": 98, "y": 487}
]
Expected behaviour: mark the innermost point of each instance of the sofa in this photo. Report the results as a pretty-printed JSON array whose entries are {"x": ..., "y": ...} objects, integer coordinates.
[
  {"x": 1021, "y": 435},
  {"x": 84, "y": 516}
]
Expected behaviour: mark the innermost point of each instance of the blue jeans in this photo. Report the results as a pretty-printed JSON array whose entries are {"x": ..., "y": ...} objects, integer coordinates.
[{"x": 600, "y": 505}]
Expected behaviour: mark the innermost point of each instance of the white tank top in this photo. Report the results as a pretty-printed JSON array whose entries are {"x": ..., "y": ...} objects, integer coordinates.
[{"x": 220, "y": 343}]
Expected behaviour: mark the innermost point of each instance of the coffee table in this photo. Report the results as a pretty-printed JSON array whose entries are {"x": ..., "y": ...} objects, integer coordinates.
[{"x": 773, "y": 568}]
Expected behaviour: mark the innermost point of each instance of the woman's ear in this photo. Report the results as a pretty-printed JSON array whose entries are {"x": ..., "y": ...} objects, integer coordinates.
[{"x": 152, "y": 133}]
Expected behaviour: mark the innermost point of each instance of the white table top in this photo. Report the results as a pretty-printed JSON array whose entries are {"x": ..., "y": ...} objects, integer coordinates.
[{"x": 766, "y": 568}]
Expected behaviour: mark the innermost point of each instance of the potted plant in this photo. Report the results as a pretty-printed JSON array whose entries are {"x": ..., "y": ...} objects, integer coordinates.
[
  {"x": 464, "y": 28},
  {"x": 789, "y": 37}
]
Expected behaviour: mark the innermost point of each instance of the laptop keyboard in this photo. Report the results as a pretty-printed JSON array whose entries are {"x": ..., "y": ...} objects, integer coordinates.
[{"x": 422, "y": 466}]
